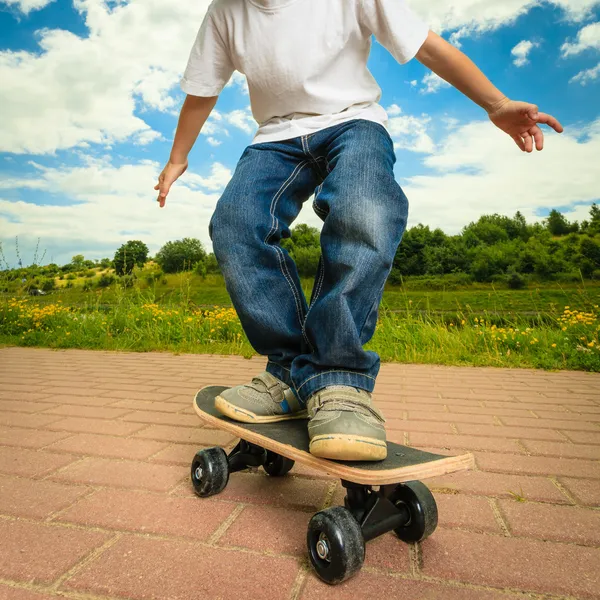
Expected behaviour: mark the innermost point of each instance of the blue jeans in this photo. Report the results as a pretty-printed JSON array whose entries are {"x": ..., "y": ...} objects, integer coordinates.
[{"x": 349, "y": 168}]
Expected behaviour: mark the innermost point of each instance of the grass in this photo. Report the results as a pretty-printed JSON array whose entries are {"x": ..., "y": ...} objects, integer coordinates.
[{"x": 542, "y": 328}]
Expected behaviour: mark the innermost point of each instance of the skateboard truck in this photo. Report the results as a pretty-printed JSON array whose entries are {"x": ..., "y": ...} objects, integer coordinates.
[{"x": 336, "y": 536}]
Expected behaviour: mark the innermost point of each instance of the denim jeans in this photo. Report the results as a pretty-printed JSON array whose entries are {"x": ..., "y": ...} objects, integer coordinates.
[{"x": 349, "y": 169}]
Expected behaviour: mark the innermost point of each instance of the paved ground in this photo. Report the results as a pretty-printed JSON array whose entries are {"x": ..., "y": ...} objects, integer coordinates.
[{"x": 95, "y": 500}]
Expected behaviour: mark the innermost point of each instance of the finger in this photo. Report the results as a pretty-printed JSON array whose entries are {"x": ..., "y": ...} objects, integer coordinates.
[
  {"x": 157, "y": 187},
  {"x": 533, "y": 112},
  {"x": 528, "y": 141},
  {"x": 519, "y": 141},
  {"x": 538, "y": 137},
  {"x": 550, "y": 121}
]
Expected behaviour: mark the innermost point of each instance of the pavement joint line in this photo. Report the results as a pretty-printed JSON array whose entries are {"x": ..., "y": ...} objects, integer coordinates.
[
  {"x": 300, "y": 580},
  {"x": 406, "y": 438},
  {"x": 90, "y": 557},
  {"x": 497, "y": 420},
  {"x": 454, "y": 429},
  {"x": 331, "y": 489},
  {"x": 499, "y": 517},
  {"x": 52, "y": 516},
  {"x": 225, "y": 525},
  {"x": 563, "y": 490},
  {"x": 78, "y": 460},
  {"x": 415, "y": 559},
  {"x": 521, "y": 445}
]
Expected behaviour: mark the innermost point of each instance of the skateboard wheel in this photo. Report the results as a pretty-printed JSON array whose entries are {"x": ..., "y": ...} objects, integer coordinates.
[
  {"x": 210, "y": 472},
  {"x": 336, "y": 545},
  {"x": 422, "y": 510},
  {"x": 277, "y": 465}
]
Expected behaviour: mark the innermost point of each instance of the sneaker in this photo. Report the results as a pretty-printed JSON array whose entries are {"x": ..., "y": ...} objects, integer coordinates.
[
  {"x": 344, "y": 425},
  {"x": 265, "y": 400}
]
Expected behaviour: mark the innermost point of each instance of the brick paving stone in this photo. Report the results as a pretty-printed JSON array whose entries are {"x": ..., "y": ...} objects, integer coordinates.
[
  {"x": 562, "y": 424},
  {"x": 375, "y": 585},
  {"x": 123, "y": 474},
  {"x": 169, "y": 406},
  {"x": 290, "y": 492},
  {"x": 22, "y": 406},
  {"x": 83, "y": 425},
  {"x": 539, "y": 489},
  {"x": 558, "y": 523},
  {"x": 35, "y": 499},
  {"x": 112, "y": 395},
  {"x": 276, "y": 530},
  {"x": 187, "y": 435},
  {"x": 26, "y": 421},
  {"x": 79, "y": 390},
  {"x": 568, "y": 416},
  {"x": 586, "y": 491},
  {"x": 178, "y": 454},
  {"x": 29, "y": 438},
  {"x": 503, "y": 431},
  {"x": 90, "y": 444},
  {"x": 517, "y": 563},
  {"x": 562, "y": 450},
  {"x": 38, "y": 553},
  {"x": 31, "y": 463},
  {"x": 125, "y": 386},
  {"x": 462, "y": 442},
  {"x": 583, "y": 437},
  {"x": 77, "y": 400},
  {"x": 144, "y": 512},
  {"x": 93, "y": 412},
  {"x": 537, "y": 465},
  {"x": 25, "y": 396},
  {"x": 15, "y": 593},
  {"x": 497, "y": 412},
  {"x": 427, "y": 426},
  {"x": 161, "y": 418},
  {"x": 450, "y": 417},
  {"x": 184, "y": 571},
  {"x": 466, "y": 512}
]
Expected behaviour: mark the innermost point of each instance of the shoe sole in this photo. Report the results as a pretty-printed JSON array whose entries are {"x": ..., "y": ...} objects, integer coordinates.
[
  {"x": 348, "y": 447},
  {"x": 245, "y": 416}
]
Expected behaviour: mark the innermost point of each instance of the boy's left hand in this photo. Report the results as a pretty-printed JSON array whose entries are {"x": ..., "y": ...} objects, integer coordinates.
[{"x": 521, "y": 121}]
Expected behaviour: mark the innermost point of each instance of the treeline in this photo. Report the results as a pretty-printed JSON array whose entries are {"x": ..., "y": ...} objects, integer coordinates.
[{"x": 496, "y": 248}]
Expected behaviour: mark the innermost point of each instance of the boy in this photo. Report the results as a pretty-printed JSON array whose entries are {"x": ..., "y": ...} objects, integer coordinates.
[{"x": 321, "y": 132}]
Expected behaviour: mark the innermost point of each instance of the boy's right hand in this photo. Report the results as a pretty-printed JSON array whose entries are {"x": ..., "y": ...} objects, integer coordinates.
[{"x": 171, "y": 173}]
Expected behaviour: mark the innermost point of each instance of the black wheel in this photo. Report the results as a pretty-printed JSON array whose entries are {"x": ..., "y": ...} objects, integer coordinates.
[
  {"x": 276, "y": 465},
  {"x": 210, "y": 472},
  {"x": 419, "y": 502},
  {"x": 336, "y": 546}
]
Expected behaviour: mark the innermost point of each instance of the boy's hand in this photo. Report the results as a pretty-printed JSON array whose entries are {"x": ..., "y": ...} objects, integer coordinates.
[
  {"x": 521, "y": 121},
  {"x": 171, "y": 173}
]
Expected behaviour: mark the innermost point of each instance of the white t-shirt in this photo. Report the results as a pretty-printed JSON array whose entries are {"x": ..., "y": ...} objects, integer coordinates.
[{"x": 305, "y": 60}]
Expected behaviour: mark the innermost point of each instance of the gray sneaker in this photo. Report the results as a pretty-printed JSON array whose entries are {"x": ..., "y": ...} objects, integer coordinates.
[
  {"x": 344, "y": 425},
  {"x": 265, "y": 400}
]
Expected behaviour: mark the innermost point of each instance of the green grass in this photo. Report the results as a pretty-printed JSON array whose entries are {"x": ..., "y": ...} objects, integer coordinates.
[{"x": 484, "y": 327}]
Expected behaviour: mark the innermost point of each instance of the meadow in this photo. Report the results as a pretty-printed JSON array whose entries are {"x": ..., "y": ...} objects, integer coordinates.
[{"x": 548, "y": 326}]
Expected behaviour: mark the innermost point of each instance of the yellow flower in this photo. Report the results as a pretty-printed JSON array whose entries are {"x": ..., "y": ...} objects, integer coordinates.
[{"x": 554, "y": 345}]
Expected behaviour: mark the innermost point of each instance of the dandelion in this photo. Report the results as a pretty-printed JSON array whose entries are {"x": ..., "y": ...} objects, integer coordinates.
[{"x": 554, "y": 345}]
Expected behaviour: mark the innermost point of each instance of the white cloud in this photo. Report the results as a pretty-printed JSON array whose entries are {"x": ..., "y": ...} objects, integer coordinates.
[
  {"x": 476, "y": 16},
  {"x": 409, "y": 132},
  {"x": 242, "y": 119},
  {"x": 238, "y": 80},
  {"x": 479, "y": 170},
  {"x": 110, "y": 206},
  {"x": 521, "y": 52},
  {"x": 27, "y": 6},
  {"x": 587, "y": 76},
  {"x": 213, "y": 141},
  {"x": 78, "y": 90},
  {"x": 587, "y": 38},
  {"x": 433, "y": 83}
]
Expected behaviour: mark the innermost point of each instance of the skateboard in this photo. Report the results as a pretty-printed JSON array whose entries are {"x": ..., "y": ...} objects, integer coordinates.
[{"x": 336, "y": 536}]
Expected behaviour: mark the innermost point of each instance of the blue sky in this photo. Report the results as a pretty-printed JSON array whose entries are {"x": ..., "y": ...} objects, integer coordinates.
[{"x": 90, "y": 101}]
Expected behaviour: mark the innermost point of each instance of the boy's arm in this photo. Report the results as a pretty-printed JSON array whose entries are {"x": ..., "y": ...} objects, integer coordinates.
[
  {"x": 520, "y": 120},
  {"x": 194, "y": 113}
]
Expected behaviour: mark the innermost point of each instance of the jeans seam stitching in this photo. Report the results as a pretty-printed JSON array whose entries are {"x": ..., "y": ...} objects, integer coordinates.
[
  {"x": 317, "y": 294},
  {"x": 272, "y": 362},
  {"x": 334, "y": 371},
  {"x": 278, "y": 250}
]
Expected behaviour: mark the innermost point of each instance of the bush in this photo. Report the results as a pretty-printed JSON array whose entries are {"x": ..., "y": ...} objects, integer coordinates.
[
  {"x": 87, "y": 286},
  {"x": 89, "y": 274},
  {"x": 515, "y": 280},
  {"x": 106, "y": 280},
  {"x": 71, "y": 277},
  {"x": 47, "y": 285},
  {"x": 69, "y": 285},
  {"x": 182, "y": 255},
  {"x": 200, "y": 269},
  {"x": 127, "y": 281},
  {"x": 153, "y": 277}
]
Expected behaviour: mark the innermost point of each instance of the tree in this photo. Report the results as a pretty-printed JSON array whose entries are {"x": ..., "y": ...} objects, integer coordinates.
[
  {"x": 594, "y": 224},
  {"x": 129, "y": 255},
  {"x": 557, "y": 224},
  {"x": 78, "y": 261},
  {"x": 182, "y": 255}
]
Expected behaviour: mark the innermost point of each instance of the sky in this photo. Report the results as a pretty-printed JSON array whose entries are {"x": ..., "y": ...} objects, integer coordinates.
[{"x": 89, "y": 98}]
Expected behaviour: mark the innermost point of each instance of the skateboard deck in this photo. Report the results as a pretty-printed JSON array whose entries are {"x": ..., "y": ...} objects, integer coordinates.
[{"x": 290, "y": 439}]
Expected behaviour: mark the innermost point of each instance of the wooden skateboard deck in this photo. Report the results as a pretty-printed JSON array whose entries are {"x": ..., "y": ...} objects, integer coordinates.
[{"x": 290, "y": 439}]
